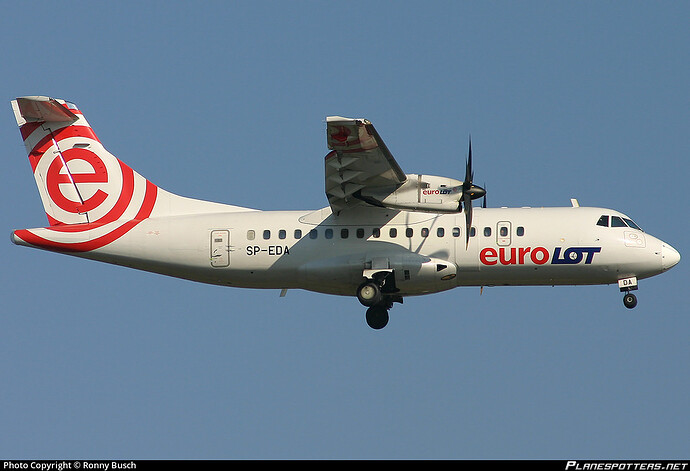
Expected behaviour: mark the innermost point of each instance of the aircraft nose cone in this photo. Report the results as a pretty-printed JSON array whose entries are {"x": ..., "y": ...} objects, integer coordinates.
[{"x": 669, "y": 256}]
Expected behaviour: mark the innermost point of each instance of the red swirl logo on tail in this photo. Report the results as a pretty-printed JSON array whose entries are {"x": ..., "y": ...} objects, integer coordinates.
[
  {"x": 54, "y": 179},
  {"x": 92, "y": 195}
]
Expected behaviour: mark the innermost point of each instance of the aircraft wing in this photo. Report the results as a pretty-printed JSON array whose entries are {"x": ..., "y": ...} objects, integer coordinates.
[{"x": 359, "y": 161}]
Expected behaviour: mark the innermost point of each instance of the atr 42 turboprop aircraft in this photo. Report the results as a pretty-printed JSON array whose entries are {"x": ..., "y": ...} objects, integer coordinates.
[{"x": 385, "y": 234}]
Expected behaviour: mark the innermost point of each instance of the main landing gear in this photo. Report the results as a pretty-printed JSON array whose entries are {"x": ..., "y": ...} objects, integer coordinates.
[
  {"x": 378, "y": 295},
  {"x": 377, "y": 317}
]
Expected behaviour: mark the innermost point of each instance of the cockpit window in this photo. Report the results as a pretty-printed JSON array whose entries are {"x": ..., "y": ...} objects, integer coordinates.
[
  {"x": 632, "y": 224},
  {"x": 617, "y": 222}
]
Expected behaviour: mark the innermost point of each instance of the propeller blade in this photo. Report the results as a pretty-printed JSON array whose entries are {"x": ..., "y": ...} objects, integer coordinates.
[
  {"x": 469, "y": 175},
  {"x": 467, "y": 200},
  {"x": 467, "y": 194}
]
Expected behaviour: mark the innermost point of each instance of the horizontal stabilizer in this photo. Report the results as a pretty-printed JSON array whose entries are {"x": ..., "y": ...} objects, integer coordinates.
[{"x": 40, "y": 109}]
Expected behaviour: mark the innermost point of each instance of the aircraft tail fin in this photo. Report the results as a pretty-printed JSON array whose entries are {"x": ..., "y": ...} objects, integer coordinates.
[{"x": 78, "y": 180}]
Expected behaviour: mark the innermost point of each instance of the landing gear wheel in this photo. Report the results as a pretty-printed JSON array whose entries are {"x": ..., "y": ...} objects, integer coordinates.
[
  {"x": 377, "y": 317},
  {"x": 369, "y": 293},
  {"x": 629, "y": 300}
]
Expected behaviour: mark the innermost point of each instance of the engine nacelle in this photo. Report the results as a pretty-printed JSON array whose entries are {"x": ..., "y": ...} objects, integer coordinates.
[
  {"x": 416, "y": 274},
  {"x": 426, "y": 193}
]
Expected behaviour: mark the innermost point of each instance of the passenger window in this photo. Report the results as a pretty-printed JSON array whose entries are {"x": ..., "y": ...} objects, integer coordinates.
[
  {"x": 329, "y": 233},
  {"x": 376, "y": 233},
  {"x": 440, "y": 232},
  {"x": 425, "y": 232},
  {"x": 298, "y": 233},
  {"x": 504, "y": 231},
  {"x": 487, "y": 232},
  {"x": 617, "y": 222},
  {"x": 456, "y": 232},
  {"x": 250, "y": 234},
  {"x": 281, "y": 234},
  {"x": 393, "y": 232},
  {"x": 408, "y": 232},
  {"x": 473, "y": 231},
  {"x": 267, "y": 234},
  {"x": 360, "y": 233},
  {"x": 344, "y": 233},
  {"x": 520, "y": 231},
  {"x": 313, "y": 234},
  {"x": 603, "y": 221}
]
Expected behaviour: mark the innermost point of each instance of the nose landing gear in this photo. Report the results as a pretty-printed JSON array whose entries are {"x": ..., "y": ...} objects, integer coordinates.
[
  {"x": 626, "y": 285},
  {"x": 629, "y": 300}
]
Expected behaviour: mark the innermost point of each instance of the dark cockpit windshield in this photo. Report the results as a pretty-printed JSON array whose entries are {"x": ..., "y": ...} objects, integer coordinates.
[{"x": 617, "y": 221}]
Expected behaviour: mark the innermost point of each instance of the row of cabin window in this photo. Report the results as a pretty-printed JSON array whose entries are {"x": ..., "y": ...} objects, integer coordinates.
[{"x": 376, "y": 233}]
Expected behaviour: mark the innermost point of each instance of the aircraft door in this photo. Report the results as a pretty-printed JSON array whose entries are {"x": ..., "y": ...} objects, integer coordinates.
[
  {"x": 220, "y": 248},
  {"x": 503, "y": 233}
]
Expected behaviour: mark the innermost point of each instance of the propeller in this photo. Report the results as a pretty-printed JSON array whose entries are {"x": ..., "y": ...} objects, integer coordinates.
[{"x": 470, "y": 192}]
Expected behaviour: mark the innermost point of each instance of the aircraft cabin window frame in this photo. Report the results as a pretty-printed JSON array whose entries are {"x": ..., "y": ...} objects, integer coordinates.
[
  {"x": 344, "y": 233},
  {"x": 487, "y": 231},
  {"x": 425, "y": 232},
  {"x": 520, "y": 231},
  {"x": 313, "y": 234},
  {"x": 282, "y": 234},
  {"x": 409, "y": 232},
  {"x": 360, "y": 233},
  {"x": 393, "y": 233},
  {"x": 456, "y": 231},
  {"x": 473, "y": 231},
  {"x": 440, "y": 232},
  {"x": 298, "y": 234},
  {"x": 328, "y": 233},
  {"x": 376, "y": 232},
  {"x": 251, "y": 234},
  {"x": 267, "y": 234}
]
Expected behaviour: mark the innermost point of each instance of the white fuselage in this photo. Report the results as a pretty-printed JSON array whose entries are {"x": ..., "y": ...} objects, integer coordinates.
[
  {"x": 385, "y": 234},
  {"x": 318, "y": 251}
]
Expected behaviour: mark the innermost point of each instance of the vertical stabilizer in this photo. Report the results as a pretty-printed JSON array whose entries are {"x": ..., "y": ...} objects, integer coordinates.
[{"x": 78, "y": 179}]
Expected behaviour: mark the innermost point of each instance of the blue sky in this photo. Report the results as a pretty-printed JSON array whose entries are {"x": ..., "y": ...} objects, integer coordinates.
[{"x": 226, "y": 101}]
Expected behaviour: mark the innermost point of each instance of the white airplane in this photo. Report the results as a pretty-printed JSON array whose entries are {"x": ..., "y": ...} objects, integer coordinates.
[{"x": 385, "y": 234}]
